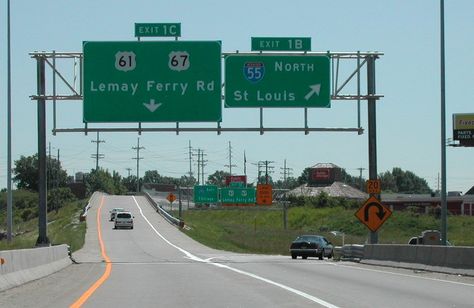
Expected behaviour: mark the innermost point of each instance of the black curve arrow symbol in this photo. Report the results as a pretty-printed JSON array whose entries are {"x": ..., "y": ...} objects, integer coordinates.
[{"x": 380, "y": 214}]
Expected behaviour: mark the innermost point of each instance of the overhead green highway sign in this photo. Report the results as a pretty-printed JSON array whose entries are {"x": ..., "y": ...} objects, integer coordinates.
[
  {"x": 157, "y": 29},
  {"x": 166, "y": 81},
  {"x": 205, "y": 194},
  {"x": 281, "y": 43},
  {"x": 277, "y": 81},
  {"x": 237, "y": 195}
]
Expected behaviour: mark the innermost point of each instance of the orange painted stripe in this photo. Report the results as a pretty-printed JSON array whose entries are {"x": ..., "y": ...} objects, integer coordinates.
[{"x": 108, "y": 268}]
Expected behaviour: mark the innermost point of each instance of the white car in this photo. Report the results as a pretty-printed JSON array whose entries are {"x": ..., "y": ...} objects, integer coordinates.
[
  {"x": 123, "y": 220},
  {"x": 114, "y": 211}
]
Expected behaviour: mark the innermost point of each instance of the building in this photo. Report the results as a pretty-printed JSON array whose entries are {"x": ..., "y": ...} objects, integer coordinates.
[{"x": 327, "y": 177}]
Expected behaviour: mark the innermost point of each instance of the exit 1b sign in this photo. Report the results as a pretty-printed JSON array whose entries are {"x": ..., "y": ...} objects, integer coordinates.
[{"x": 281, "y": 43}]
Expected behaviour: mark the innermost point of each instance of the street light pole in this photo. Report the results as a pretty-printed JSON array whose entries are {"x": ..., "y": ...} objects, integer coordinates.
[
  {"x": 9, "y": 134},
  {"x": 444, "y": 205}
]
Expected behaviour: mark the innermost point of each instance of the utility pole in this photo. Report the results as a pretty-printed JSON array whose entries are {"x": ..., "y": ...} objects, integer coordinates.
[
  {"x": 286, "y": 172},
  {"x": 245, "y": 165},
  {"x": 138, "y": 148},
  {"x": 268, "y": 169},
  {"x": 230, "y": 160},
  {"x": 97, "y": 156},
  {"x": 203, "y": 163},
  {"x": 190, "y": 160},
  {"x": 57, "y": 172},
  {"x": 48, "y": 169},
  {"x": 360, "y": 178},
  {"x": 129, "y": 170},
  {"x": 198, "y": 165}
]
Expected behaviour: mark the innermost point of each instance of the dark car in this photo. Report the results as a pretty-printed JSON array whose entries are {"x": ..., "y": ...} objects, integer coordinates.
[{"x": 311, "y": 246}]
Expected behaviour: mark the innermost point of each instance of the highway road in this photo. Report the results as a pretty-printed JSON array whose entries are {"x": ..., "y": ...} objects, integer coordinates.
[{"x": 155, "y": 265}]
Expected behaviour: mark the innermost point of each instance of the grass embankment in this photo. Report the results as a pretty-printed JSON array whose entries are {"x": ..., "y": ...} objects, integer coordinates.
[
  {"x": 261, "y": 230},
  {"x": 64, "y": 227}
]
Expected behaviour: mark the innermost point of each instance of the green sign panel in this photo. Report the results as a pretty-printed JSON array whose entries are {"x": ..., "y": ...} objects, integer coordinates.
[
  {"x": 277, "y": 81},
  {"x": 205, "y": 194},
  {"x": 160, "y": 29},
  {"x": 152, "y": 81},
  {"x": 281, "y": 43},
  {"x": 237, "y": 195}
]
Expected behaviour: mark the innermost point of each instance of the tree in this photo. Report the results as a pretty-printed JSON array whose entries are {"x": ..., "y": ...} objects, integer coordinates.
[
  {"x": 26, "y": 173},
  {"x": 102, "y": 180},
  {"x": 217, "y": 178},
  {"x": 399, "y": 181},
  {"x": 152, "y": 176},
  {"x": 130, "y": 183},
  {"x": 58, "y": 197},
  {"x": 304, "y": 177}
]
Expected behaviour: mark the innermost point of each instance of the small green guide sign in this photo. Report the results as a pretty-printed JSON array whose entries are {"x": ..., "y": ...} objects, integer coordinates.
[
  {"x": 205, "y": 194},
  {"x": 238, "y": 195},
  {"x": 157, "y": 29},
  {"x": 277, "y": 81},
  {"x": 281, "y": 43},
  {"x": 152, "y": 81}
]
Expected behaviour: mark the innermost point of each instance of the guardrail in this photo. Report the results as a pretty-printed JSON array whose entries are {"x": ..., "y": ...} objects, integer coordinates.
[{"x": 176, "y": 221}]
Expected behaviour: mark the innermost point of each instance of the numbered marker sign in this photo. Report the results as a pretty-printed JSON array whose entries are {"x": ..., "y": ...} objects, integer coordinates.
[
  {"x": 254, "y": 71},
  {"x": 179, "y": 61},
  {"x": 125, "y": 61}
]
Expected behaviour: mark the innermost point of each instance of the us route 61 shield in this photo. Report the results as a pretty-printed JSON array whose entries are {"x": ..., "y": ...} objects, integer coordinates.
[{"x": 254, "y": 71}]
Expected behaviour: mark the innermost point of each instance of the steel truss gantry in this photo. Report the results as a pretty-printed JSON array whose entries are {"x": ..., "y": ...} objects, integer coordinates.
[{"x": 349, "y": 64}]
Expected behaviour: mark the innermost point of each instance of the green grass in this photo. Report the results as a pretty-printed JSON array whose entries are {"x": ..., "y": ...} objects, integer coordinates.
[
  {"x": 261, "y": 230},
  {"x": 64, "y": 227}
]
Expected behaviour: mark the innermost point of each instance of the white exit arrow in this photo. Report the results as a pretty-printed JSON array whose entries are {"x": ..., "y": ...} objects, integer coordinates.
[
  {"x": 315, "y": 88},
  {"x": 151, "y": 105}
]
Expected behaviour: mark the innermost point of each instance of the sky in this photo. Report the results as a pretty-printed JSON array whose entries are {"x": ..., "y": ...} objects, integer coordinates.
[{"x": 407, "y": 75}]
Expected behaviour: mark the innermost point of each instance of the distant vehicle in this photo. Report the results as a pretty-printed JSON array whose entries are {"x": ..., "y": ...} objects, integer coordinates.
[
  {"x": 123, "y": 220},
  {"x": 427, "y": 237},
  {"x": 114, "y": 211},
  {"x": 311, "y": 246}
]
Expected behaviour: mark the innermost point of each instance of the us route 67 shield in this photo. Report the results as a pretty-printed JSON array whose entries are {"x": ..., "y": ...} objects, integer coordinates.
[{"x": 254, "y": 71}]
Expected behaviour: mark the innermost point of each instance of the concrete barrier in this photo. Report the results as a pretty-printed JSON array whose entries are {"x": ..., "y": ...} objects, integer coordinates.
[
  {"x": 439, "y": 256},
  {"x": 24, "y": 265}
]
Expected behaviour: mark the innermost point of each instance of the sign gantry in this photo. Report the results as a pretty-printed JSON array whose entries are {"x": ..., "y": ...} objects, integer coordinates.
[{"x": 338, "y": 89}]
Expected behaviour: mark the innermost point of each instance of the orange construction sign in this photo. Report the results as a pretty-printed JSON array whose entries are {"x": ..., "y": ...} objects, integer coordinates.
[
  {"x": 264, "y": 194},
  {"x": 373, "y": 214},
  {"x": 171, "y": 198}
]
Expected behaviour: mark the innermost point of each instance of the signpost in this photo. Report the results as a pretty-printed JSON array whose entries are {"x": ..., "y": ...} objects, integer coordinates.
[
  {"x": 281, "y": 43},
  {"x": 373, "y": 213},
  {"x": 152, "y": 81},
  {"x": 277, "y": 81},
  {"x": 157, "y": 29},
  {"x": 205, "y": 194},
  {"x": 238, "y": 195}
]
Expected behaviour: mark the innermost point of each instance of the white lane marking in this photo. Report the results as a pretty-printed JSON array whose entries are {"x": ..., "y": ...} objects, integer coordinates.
[
  {"x": 207, "y": 261},
  {"x": 406, "y": 275}
]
